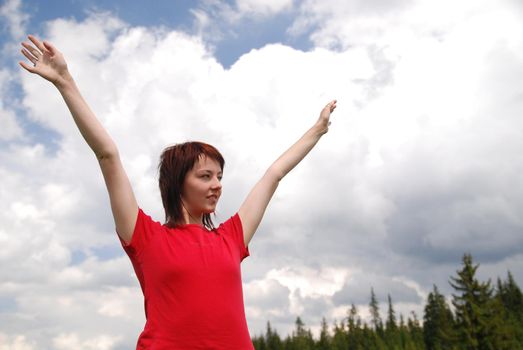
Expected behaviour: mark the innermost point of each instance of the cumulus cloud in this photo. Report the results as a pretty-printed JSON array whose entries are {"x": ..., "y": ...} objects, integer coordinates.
[
  {"x": 420, "y": 165},
  {"x": 15, "y": 18},
  {"x": 9, "y": 126},
  {"x": 15, "y": 342},
  {"x": 263, "y": 8}
]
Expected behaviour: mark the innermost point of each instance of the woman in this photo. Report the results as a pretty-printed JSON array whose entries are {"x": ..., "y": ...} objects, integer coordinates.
[{"x": 188, "y": 270}]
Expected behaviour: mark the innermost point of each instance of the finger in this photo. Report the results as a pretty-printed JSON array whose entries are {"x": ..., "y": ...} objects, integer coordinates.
[
  {"x": 333, "y": 105},
  {"x": 27, "y": 67},
  {"x": 32, "y": 50},
  {"x": 37, "y": 42},
  {"x": 50, "y": 47},
  {"x": 29, "y": 56}
]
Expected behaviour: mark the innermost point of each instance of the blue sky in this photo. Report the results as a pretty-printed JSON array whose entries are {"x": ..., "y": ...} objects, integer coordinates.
[
  {"x": 234, "y": 40},
  {"x": 421, "y": 164}
]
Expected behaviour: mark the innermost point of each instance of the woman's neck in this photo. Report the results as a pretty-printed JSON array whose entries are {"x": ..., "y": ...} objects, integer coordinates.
[{"x": 189, "y": 218}]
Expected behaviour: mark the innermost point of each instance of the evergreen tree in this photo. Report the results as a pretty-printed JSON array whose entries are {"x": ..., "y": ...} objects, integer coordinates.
[
  {"x": 473, "y": 308},
  {"x": 392, "y": 335},
  {"x": 301, "y": 338},
  {"x": 288, "y": 343},
  {"x": 375, "y": 317},
  {"x": 512, "y": 298},
  {"x": 406, "y": 340},
  {"x": 259, "y": 343},
  {"x": 272, "y": 339},
  {"x": 438, "y": 323},
  {"x": 354, "y": 332},
  {"x": 324, "y": 342},
  {"x": 339, "y": 339},
  {"x": 416, "y": 332},
  {"x": 369, "y": 337},
  {"x": 391, "y": 325},
  {"x": 508, "y": 311}
]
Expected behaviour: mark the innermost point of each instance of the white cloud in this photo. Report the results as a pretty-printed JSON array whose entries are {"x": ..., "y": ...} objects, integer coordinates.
[
  {"x": 9, "y": 127},
  {"x": 263, "y": 8},
  {"x": 16, "y": 19},
  {"x": 15, "y": 342},
  {"x": 67, "y": 341}
]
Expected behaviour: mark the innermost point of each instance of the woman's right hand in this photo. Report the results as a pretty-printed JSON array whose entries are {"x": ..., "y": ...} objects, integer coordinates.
[{"x": 47, "y": 61}]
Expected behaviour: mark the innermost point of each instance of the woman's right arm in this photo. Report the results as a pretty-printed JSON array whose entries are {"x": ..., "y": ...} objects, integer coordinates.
[{"x": 50, "y": 64}]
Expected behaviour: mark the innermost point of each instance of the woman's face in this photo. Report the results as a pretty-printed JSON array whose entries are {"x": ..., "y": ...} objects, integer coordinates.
[{"x": 202, "y": 187}]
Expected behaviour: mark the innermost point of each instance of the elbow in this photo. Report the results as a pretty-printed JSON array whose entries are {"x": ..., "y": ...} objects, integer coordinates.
[
  {"x": 274, "y": 174},
  {"x": 107, "y": 153}
]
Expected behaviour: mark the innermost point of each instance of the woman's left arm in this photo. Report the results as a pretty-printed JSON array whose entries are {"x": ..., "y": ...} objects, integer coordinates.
[{"x": 253, "y": 208}]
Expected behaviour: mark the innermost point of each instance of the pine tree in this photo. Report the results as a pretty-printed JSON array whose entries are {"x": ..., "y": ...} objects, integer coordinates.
[
  {"x": 301, "y": 338},
  {"x": 325, "y": 338},
  {"x": 406, "y": 340},
  {"x": 508, "y": 311},
  {"x": 288, "y": 343},
  {"x": 415, "y": 331},
  {"x": 272, "y": 339},
  {"x": 354, "y": 332},
  {"x": 438, "y": 323},
  {"x": 473, "y": 308},
  {"x": 339, "y": 339},
  {"x": 392, "y": 336},
  {"x": 375, "y": 317},
  {"x": 259, "y": 343},
  {"x": 369, "y": 337},
  {"x": 512, "y": 298}
]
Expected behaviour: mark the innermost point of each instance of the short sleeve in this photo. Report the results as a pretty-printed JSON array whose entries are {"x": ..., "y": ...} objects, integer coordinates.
[
  {"x": 144, "y": 230},
  {"x": 234, "y": 228}
]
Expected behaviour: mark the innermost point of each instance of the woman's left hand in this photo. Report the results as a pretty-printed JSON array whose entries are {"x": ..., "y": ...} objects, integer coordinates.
[{"x": 324, "y": 119}]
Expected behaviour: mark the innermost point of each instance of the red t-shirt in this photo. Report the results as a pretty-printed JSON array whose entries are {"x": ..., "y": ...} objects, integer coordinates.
[{"x": 191, "y": 282}]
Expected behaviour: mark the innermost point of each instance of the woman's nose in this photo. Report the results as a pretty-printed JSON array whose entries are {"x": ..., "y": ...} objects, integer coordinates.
[{"x": 216, "y": 183}]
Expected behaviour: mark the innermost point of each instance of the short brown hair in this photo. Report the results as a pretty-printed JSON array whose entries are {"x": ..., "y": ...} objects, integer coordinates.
[{"x": 175, "y": 162}]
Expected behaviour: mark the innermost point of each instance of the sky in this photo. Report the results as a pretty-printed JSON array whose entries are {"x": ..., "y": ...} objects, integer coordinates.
[{"x": 422, "y": 162}]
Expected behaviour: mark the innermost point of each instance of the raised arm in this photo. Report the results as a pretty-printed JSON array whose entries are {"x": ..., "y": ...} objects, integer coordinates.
[
  {"x": 253, "y": 208},
  {"x": 50, "y": 64}
]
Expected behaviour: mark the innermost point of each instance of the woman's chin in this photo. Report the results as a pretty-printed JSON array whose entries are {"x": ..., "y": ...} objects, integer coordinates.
[{"x": 210, "y": 210}]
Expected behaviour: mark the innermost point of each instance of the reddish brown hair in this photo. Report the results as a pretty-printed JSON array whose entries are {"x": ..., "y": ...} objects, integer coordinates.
[{"x": 175, "y": 162}]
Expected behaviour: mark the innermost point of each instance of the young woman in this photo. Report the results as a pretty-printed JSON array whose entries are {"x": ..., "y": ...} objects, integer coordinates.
[{"x": 189, "y": 271}]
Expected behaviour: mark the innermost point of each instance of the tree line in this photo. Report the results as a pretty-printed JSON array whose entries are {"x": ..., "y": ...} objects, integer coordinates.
[{"x": 482, "y": 317}]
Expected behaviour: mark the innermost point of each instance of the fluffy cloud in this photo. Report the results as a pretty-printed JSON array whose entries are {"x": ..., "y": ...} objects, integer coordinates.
[
  {"x": 15, "y": 17},
  {"x": 9, "y": 126},
  {"x": 263, "y": 8},
  {"x": 16, "y": 342},
  {"x": 420, "y": 165}
]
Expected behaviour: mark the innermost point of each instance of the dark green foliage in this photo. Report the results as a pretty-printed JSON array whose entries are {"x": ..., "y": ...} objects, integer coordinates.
[
  {"x": 416, "y": 332},
  {"x": 374, "y": 310},
  {"x": 438, "y": 323},
  {"x": 325, "y": 339},
  {"x": 508, "y": 310},
  {"x": 392, "y": 334},
  {"x": 272, "y": 338},
  {"x": 301, "y": 337},
  {"x": 473, "y": 308},
  {"x": 355, "y": 337},
  {"x": 484, "y": 318},
  {"x": 339, "y": 340}
]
